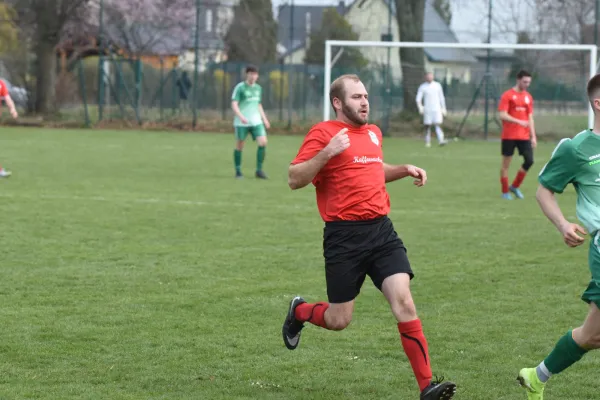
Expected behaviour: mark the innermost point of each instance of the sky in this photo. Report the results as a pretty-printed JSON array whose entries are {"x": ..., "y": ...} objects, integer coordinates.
[{"x": 469, "y": 23}]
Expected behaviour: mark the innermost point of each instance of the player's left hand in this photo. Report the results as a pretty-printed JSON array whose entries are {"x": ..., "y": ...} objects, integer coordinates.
[
  {"x": 534, "y": 141},
  {"x": 14, "y": 114},
  {"x": 267, "y": 123},
  {"x": 444, "y": 112},
  {"x": 571, "y": 234},
  {"x": 418, "y": 173}
]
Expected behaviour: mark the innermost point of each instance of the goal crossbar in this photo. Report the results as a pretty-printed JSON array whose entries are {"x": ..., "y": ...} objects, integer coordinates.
[{"x": 592, "y": 49}]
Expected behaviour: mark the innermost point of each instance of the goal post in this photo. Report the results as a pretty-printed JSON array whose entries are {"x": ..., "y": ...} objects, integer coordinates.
[{"x": 591, "y": 50}]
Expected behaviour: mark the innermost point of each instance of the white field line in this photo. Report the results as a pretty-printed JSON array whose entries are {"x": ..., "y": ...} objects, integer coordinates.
[{"x": 226, "y": 204}]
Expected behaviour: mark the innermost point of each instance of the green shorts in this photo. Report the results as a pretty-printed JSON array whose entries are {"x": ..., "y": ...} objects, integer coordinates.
[
  {"x": 241, "y": 132},
  {"x": 592, "y": 293}
]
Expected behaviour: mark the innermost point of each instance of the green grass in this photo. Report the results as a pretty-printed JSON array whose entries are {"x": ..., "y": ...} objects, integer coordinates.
[
  {"x": 547, "y": 126},
  {"x": 133, "y": 266}
]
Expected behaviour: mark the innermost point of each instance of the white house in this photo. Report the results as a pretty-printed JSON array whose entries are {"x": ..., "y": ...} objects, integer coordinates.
[{"x": 369, "y": 18}]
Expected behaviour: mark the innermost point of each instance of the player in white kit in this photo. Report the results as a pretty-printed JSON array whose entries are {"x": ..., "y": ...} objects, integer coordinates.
[{"x": 432, "y": 105}]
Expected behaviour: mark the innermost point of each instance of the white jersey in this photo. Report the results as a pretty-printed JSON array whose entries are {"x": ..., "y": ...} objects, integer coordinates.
[{"x": 431, "y": 96}]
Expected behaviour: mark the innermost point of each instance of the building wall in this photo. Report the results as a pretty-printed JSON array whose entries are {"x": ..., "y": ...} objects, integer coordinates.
[
  {"x": 447, "y": 71},
  {"x": 370, "y": 20},
  {"x": 168, "y": 62},
  {"x": 205, "y": 56}
]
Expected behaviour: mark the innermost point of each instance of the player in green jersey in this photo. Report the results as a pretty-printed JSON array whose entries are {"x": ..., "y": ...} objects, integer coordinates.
[
  {"x": 575, "y": 161},
  {"x": 250, "y": 119}
]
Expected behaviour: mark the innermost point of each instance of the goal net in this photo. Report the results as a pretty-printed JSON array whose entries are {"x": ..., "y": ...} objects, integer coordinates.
[{"x": 473, "y": 77}]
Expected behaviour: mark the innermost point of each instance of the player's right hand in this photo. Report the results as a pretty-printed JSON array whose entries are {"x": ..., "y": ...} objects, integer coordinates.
[
  {"x": 524, "y": 124},
  {"x": 338, "y": 143},
  {"x": 14, "y": 114},
  {"x": 243, "y": 120},
  {"x": 570, "y": 234}
]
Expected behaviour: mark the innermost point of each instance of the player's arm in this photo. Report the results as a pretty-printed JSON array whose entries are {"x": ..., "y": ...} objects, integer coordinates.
[
  {"x": 442, "y": 99},
  {"x": 503, "y": 111},
  {"x": 532, "y": 132},
  {"x": 419, "y": 98},
  {"x": 9, "y": 101},
  {"x": 396, "y": 172},
  {"x": 505, "y": 116},
  {"x": 547, "y": 201},
  {"x": 235, "y": 106},
  {"x": 554, "y": 178},
  {"x": 300, "y": 175},
  {"x": 263, "y": 116},
  {"x": 317, "y": 153},
  {"x": 11, "y": 106}
]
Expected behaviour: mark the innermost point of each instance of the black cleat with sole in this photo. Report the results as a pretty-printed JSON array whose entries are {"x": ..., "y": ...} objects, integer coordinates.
[
  {"x": 238, "y": 175},
  {"x": 439, "y": 390},
  {"x": 261, "y": 175},
  {"x": 292, "y": 327}
]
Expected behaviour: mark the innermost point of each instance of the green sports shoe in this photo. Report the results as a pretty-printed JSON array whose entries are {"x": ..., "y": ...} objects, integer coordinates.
[{"x": 529, "y": 380}]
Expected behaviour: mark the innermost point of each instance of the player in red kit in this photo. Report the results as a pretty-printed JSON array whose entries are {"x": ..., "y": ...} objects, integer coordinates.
[
  {"x": 4, "y": 95},
  {"x": 518, "y": 131},
  {"x": 344, "y": 161}
]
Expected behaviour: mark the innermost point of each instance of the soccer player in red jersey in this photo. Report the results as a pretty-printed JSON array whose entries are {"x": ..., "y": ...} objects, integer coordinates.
[
  {"x": 4, "y": 95},
  {"x": 344, "y": 161},
  {"x": 518, "y": 131}
]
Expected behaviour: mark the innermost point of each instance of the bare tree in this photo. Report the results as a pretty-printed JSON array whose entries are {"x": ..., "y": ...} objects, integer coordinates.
[
  {"x": 47, "y": 20},
  {"x": 252, "y": 35},
  {"x": 542, "y": 21},
  {"x": 143, "y": 26},
  {"x": 411, "y": 16}
]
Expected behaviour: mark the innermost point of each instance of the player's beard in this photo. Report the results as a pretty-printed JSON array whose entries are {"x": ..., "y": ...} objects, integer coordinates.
[{"x": 354, "y": 115}]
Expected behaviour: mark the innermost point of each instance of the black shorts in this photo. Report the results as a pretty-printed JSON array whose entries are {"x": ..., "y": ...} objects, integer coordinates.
[
  {"x": 509, "y": 145},
  {"x": 355, "y": 249}
]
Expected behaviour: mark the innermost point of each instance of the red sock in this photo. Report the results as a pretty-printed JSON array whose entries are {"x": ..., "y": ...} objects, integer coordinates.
[
  {"x": 313, "y": 313},
  {"x": 415, "y": 347},
  {"x": 504, "y": 181},
  {"x": 519, "y": 178}
]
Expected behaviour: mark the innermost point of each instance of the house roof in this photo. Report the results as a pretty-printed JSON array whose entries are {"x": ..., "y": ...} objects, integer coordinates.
[
  {"x": 481, "y": 54},
  {"x": 435, "y": 29}
]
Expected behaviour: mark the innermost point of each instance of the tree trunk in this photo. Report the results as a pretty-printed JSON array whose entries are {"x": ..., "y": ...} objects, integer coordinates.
[
  {"x": 410, "y": 16},
  {"x": 45, "y": 72}
]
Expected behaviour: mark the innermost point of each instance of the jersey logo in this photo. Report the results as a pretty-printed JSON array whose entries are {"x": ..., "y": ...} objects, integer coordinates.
[
  {"x": 373, "y": 137},
  {"x": 367, "y": 160},
  {"x": 526, "y": 99},
  {"x": 514, "y": 96}
]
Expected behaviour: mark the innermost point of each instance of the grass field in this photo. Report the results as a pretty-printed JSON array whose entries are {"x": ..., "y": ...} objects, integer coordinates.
[{"x": 133, "y": 266}]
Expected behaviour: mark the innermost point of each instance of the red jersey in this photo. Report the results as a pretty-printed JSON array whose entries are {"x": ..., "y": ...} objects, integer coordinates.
[
  {"x": 518, "y": 105},
  {"x": 3, "y": 89},
  {"x": 351, "y": 186}
]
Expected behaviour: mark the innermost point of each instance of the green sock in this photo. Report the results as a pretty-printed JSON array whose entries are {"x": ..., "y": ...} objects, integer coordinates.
[
  {"x": 565, "y": 353},
  {"x": 237, "y": 160},
  {"x": 260, "y": 157}
]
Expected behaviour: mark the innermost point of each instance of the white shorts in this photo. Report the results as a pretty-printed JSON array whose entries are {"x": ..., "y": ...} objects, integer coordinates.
[{"x": 432, "y": 117}]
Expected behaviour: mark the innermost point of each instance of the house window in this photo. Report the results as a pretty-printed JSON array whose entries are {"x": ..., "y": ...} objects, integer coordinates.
[
  {"x": 209, "y": 21},
  {"x": 384, "y": 33},
  {"x": 307, "y": 23}
]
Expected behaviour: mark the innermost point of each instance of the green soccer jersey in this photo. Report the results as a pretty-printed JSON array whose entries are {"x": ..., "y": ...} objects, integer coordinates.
[
  {"x": 248, "y": 98},
  {"x": 577, "y": 161}
]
